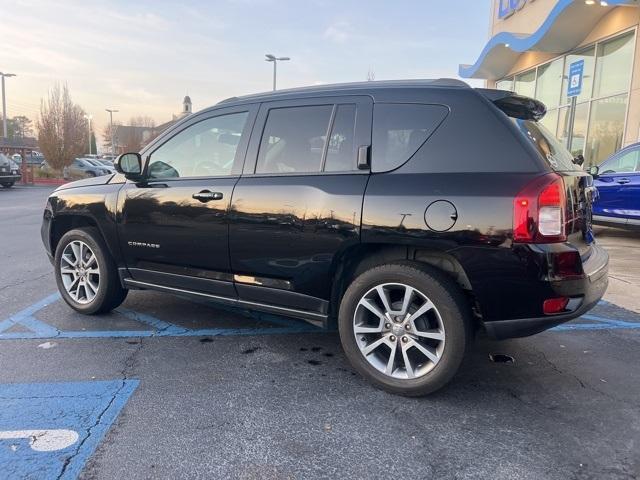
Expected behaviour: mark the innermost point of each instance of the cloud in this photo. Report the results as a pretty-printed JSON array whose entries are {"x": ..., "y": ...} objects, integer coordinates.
[{"x": 339, "y": 32}]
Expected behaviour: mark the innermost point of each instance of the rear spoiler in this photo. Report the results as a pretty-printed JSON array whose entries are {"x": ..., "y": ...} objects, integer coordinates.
[{"x": 514, "y": 105}]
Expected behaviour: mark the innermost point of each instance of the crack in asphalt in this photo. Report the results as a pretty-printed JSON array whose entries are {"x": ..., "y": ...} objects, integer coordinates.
[
  {"x": 127, "y": 370},
  {"x": 22, "y": 282}
]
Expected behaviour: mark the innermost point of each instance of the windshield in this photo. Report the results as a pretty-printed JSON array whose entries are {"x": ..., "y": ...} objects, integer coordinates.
[{"x": 556, "y": 154}]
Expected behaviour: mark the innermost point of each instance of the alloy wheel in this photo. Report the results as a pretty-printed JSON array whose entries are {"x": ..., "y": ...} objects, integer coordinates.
[
  {"x": 399, "y": 331},
  {"x": 80, "y": 272}
]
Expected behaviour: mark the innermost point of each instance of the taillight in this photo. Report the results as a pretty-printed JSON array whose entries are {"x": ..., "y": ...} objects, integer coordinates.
[{"x": 539, "y": 211}]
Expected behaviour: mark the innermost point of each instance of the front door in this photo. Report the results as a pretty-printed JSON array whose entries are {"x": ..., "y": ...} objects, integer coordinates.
[
  {"x": 618, "y": 184},
  {"x": 298, "y": 205},
  {"x": 174, "y": 228}
]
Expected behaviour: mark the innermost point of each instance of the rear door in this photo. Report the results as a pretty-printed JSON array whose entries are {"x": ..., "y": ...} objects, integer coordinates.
[
  {"x": 298, "y": 204},
  {"x": 619, "y": 186}
]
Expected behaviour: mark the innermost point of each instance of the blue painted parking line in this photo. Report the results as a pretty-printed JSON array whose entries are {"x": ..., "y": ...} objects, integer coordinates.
[
  {"x": 38, "y": 329},
  {"x": 49, "y": 430}
]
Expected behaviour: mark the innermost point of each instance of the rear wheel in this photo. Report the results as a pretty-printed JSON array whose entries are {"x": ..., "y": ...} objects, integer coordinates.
[
  {"x": 86, "y": 275},
  {"x": 7, "y": 184},
  {"x": 405, "y": 328}
]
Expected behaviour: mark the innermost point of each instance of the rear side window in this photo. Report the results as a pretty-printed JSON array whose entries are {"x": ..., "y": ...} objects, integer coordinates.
[
  {"x": 341, "y": 152},
  {"x": 399, "y": 130},
  {"x": 293, "y": 139},
  {"x": 556, "y": 155}
]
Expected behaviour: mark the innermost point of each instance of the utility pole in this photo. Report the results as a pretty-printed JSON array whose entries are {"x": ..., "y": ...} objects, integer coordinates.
[
  {"x": 89, "y": 117},
  {"x": 113, "y": 146},
  {"x": 275, "y": 60},
  {"x": 4, "y": 104}
]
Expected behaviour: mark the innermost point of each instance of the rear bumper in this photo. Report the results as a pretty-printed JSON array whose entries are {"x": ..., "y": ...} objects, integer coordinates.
[
  {"x": 4, "y": 177},
  {"x": 586, "y": 291}
]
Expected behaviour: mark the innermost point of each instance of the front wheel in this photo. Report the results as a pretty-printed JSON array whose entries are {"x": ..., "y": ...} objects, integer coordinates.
[
  {"x": 405, "y": 328},
  {"x": 86, "y": 275}
]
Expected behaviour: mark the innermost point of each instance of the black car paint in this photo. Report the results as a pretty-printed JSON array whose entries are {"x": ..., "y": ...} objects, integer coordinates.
[{"x": 280, "y": 242}]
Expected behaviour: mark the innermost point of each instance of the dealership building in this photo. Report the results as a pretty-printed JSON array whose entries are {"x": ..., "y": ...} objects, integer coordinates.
[{"x": 579, "y": 57}]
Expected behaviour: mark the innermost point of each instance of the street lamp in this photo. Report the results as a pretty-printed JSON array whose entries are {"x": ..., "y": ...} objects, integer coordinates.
[
  {"x": 113, "y": 146},
  {"x": 89, "y": 117},
  {"x": 4, "y": 103},
  {"x": 275, "y": 60}
]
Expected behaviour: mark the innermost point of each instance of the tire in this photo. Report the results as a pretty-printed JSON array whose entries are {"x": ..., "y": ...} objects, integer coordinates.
[
  {"x": 448, "y": 323},
  {"x": 7, "y": 184},
  {"x": 91, "y": 174},
  {"x": 87, "y": 299}
]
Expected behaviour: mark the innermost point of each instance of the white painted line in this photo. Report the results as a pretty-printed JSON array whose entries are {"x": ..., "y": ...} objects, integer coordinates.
[{"x": 43, "y": 440}]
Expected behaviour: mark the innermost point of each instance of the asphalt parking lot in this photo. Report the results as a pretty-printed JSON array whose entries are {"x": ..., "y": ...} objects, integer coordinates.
[{"x": 168, "y": 388}]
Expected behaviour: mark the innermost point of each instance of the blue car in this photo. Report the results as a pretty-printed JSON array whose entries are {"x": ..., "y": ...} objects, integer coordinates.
[{"x": 618, "y": 182}]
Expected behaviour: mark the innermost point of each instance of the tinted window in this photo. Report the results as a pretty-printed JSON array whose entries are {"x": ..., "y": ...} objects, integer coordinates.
[
  {"x": 556, "y": 155},
  {"x": 205, "y": 149},
  {"x": 341, "y": 152},
  {"x": 293, "y": 139},
  {"x": 399, "y": 130},
  {"x": 625, "y": 163}
]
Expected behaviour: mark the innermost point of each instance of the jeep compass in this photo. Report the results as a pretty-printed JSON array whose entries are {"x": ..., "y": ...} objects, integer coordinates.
[{"x": 408, "y": 214}]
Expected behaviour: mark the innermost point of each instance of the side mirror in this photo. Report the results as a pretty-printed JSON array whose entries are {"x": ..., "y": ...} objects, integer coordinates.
[
  {"x": 594, "y": 171},
  {"x": 579, "y": 160},
  {"x": 129, "y": 164}
]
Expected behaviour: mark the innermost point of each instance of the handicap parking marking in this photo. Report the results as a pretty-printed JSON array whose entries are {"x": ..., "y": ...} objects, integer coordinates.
[
  {"x": 49, "y": 430},
  {"x": 37, "y": 329}
]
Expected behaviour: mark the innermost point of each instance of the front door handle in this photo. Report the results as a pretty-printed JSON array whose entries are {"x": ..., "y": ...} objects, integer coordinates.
[
  {"x": 207, "y": 196},
  {"x": 623, "y": 181}
]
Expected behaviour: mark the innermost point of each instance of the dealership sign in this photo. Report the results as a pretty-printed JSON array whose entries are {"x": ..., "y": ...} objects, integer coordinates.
[{"x": 506, "y": 8}]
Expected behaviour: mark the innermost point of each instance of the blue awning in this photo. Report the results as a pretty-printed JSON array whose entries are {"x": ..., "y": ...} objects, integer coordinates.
[{"x": 568, "y": 24}]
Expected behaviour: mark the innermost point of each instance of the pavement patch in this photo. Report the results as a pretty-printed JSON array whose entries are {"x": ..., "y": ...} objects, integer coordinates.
[{"x": 49, "y": 430}]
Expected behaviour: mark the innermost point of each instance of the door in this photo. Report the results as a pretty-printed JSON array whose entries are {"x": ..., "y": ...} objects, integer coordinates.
[
  {"x": 618, "y": 184},
  {"x": 173, "y": 228},
  {"x": 297, "y": 207}
]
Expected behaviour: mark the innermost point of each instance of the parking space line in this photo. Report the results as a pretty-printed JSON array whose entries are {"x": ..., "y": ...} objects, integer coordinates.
[{"x": 41, "y": 330}]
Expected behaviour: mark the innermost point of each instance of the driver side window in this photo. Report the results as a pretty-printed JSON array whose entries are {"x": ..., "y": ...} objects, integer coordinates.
[{"x": 205, "y": 149}]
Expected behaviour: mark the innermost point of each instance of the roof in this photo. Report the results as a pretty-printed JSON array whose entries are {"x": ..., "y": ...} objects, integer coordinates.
[
  {"x": 567, "y": 25},
  {"x": 187, "y": 99},
  {"x": 359, "y": 87}
]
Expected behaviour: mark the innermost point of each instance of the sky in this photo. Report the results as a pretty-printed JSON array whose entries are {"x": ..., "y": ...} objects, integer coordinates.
[{"x": 143, "y": 57}]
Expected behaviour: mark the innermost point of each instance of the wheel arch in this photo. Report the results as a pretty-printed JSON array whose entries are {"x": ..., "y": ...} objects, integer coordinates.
[{"x": 359, "y": 258}]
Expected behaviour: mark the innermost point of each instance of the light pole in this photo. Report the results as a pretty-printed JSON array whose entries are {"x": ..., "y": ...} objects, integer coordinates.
[
  {"x": 4, "y": 103},
  {"x": 275, "y": 60},
  {"x": 89, "y": 117},
  {"x": 113, "y": 146}
]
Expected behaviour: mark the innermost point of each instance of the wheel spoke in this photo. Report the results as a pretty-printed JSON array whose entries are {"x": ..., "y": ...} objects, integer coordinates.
[
  {"x": 67, "y": 271},
  {"x": 426, "y": 351},
  {"x": 92, "y": 259},
  {"x": 69, "y": 261},
  {"x": 371, "y": 347},
  {"x": 406, "y": 302},
  {"x": 363, "y": 329},
  {"x": 93, "y": 288},
  {"x": 382, "y": 293},
  {"x": 392, "y": 359},
  {"x": 407, "y": 362},
  {"x": 372, "y": 308},
  {"x": 431, "y": 334},
  {"x": 426, "y": 306}
]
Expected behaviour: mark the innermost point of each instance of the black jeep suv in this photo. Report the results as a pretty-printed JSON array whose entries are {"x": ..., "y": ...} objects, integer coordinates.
[{"x": 410, "y": 214}]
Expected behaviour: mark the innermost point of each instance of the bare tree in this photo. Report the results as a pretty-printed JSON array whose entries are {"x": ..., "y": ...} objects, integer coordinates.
[
  {"x": 62, "y": 128},
  {"x": 139, "y": 132}
]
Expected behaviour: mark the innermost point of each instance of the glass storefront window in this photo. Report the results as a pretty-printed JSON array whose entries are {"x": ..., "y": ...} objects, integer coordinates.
[
  {"x": 505, "y": 84},
  {"x": 613, "y": 67},
  {"x": 587, "y": 81},
  {"x": 549, "y": 83},
  {"x": 606, "y": 128},
  {"x": 525, "y": 84},
  {"x": 577, "y": 146}
]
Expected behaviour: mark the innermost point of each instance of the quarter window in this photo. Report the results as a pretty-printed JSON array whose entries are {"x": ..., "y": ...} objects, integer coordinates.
[
  {"x": 293, "y": 139},
  {"x": 205, "y": 149},
  {"x": 626, "y": 163},
  {"x": 399, "y": 130}
]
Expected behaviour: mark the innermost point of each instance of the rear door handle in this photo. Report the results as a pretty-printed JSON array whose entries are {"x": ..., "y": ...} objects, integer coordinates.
[
  {"x": 622, "y": 181},
  {"x": 207, "y": 196}
]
